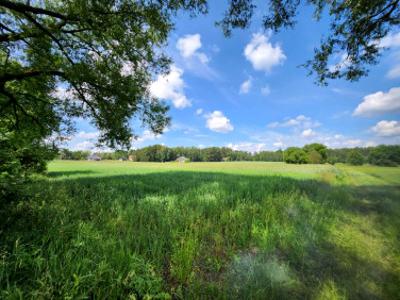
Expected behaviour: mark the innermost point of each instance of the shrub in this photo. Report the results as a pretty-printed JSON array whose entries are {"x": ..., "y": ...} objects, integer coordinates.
[{"x": 295, "y": 155}]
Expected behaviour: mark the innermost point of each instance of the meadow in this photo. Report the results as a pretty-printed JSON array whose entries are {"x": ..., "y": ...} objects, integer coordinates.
[{"x": 229, "y": 230}]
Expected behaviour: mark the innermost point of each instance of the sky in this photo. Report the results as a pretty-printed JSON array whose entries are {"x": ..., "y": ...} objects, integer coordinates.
[{"x": 247, "y": 92}]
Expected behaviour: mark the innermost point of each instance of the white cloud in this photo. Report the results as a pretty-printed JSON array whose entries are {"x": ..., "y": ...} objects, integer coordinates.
[
  {"x": 262, "y": 54},
  {"x": 83, "y": 146},
  {"x": 387, "y": 128},
  {"x": 147, "y": 135},
  {"x": 87, "y": 135},
  {"x": 344, "y": 62},
  {"x": 188, "y": 47},
  {"x": 394, "y": 72},
  {"x": 379, "y": 103},
  {"x": 199, "y": 111},
  {"x": 245, "y": 86},
  {"x": 278, "y": 145},
  {"x": 265, "y": 91},
  {"x": 247, "y": 146},
  {"x": 216, "y": 121},
  {"x": 170, "y": 87},
  {"x": 390, "y": 40},
  {"x": 189, "y": 44},
  {"x": 300, "y": 121},
  {"x": 308, "y": 133}
]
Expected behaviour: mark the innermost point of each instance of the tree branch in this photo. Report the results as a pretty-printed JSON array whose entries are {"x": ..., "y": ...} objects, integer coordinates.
[
  {"x": 28, "y": 74},
  {"x": 24, "y": 8}
]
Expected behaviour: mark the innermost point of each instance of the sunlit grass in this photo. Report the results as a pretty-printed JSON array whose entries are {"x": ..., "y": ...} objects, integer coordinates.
[{"x": 244, "y": 230}]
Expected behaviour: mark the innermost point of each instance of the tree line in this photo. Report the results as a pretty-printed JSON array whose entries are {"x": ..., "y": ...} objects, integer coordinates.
[{"x": 383, "y": 155}]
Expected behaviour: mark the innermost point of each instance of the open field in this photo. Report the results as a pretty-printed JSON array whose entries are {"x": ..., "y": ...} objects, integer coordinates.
[{"x": 244, "y": 230}]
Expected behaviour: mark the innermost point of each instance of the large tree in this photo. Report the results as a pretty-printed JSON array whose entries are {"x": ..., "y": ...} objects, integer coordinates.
[
  {"x": 92, "y": 59},
  {"x": 356, "y": 27},
  {"x": 67, "y": 59}
]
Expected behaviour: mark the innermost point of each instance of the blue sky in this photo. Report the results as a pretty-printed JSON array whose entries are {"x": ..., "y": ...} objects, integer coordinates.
[{"x": 248, "y": 92}]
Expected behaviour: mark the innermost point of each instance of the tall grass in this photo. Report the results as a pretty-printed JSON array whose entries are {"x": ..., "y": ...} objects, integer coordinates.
[{"x": 203, "y": 231}]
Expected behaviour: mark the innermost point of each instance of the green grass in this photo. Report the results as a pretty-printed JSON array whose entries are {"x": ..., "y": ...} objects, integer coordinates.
[{"x": 245, "y": 230}]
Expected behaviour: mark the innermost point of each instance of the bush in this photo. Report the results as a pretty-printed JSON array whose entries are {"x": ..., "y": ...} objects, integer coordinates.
[{"x": 295, "y": 155}]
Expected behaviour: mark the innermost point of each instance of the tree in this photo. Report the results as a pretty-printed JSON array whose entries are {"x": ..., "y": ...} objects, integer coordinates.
[
  {"x": 357, "y": 26},
  {"x": 316, "y": 152},
  {"x": 74, "y": 58},
  {"x": 314, "y": 157},
  {"x": 93, "y": 59},
  {"x": 384, "y": 155},
  {"x": 355, "y": 158},
  {"x": 212, "y": 154},
  {"x": 295, "y": 155}
]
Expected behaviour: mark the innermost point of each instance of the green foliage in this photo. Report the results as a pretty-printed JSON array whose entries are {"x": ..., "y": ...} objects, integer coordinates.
[
  {"x": 21, "y": 155},
  {"x": 295, "y": 155},
  {"x": 385, "y": 156},
  {"x": 60, "y": 60},
  {"x": 317, "y": 153},
  {"x": 111, "y": 230},
  {"x": 355, "y": 29},
  {"x": 355, "y": 158}
]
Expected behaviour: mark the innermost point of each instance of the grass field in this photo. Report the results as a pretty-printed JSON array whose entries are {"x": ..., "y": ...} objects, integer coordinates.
[{"x": 245, "y": 230}]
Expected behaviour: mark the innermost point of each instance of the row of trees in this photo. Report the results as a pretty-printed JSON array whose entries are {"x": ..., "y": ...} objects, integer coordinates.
[{"x": 315, "y": 153}]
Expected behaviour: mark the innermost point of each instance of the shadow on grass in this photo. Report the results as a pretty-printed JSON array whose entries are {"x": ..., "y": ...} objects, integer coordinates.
[
  {"x": 55, "y": 174},
  {"x": 192, "y": 226}
]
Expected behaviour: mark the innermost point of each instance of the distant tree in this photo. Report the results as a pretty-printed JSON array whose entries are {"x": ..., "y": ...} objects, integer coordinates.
[
  {"x": 385, "y": 155},
  {"x": 355, "y": 158},
  {"x": 355, "y": 30},
  {"x": 331, "y": 160},
  {"x": 212, "y": 154},
  {"x": 295, "y": 155}
]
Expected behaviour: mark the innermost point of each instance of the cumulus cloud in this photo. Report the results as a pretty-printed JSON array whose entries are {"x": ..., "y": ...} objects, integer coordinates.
[
  {"x": 245, "y": 86},
  {"x": 188, "y": 47},
  {"x": 387, "y": 128},
  {"x": 247, "y": 146},
  {"x": 265, "y": 91},
  {"x": 199, "y": 111},
  {"x": 308, "y": 133},
  {"x": 379, "y": 103},
  {"x": 300, "y": 121},
  {"x": 262, "y": 54},
  {"x": 189, "y": 44},
  {"x": 170, "y": 87},
  {"x": 216, "y": 121}
]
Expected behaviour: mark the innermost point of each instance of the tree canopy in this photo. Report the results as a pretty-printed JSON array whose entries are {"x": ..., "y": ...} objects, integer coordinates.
[{"x": 91, "y": 59}]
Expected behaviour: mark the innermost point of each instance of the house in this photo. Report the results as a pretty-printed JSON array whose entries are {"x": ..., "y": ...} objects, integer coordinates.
[
  {"x": 94, "y": 157},
  {"x": 182, "y": 159}
]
